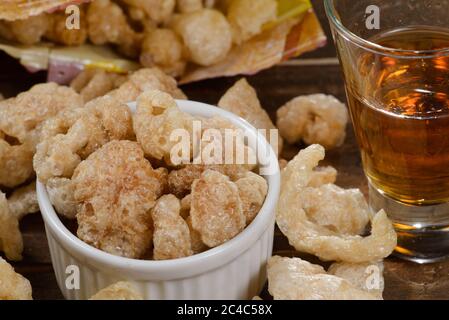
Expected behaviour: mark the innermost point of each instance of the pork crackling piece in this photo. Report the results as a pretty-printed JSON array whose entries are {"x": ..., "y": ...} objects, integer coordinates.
[
  {"x": 157, "y": 117},
  {"x": 61, "y": 195},
  {"x": 322, "y": 176},
  {"x": 102, "y": 120},
  {"x": 187, "y": 6},
  {"x": 159, "y": 11},
  {"x": 59, "y": 33},
  {"x": 163, "y": 48},
  {"x": 229, "y": 162},
  {"x": 25, "y": 31},
  {"x": 94, "y": 83},
  {"x": 252, "y": 190},
  {"x": 236, "y": 155},
  {"x": 365, "y": 276},
  {"x": 180, "y": 180},
  {"x": 146, "y": 80},
  {"x": 13, "y": 286},
  {"x": 296, "y": 279},
  {"x": 107, "y": 23},
  {"x": 23, "y": 201},
  {"x": 315, "y": 119},
  {"x": 216, "y": 208},
  {"x": 116, "y": 188},
  {"x": 20, "y": 116},
  {"x": 241, "y": 99},
  {"x": 197, "y": 244},
  {"x": 171, "y": 237},
  {"x": 343, "y": 211},
  {"x": 247, "y": 17},
  {"x": 306, "y": 234},
  {"x": 185, "y": 206},
  {"x": 21, "y": 119},
  {"x": 11, "y": 242},
  {"x": 118, "y": 291},
  {"x": 206, "y": 34},
  {"x": 16, "y": 162},
  {"x": 60, "y": 123}
]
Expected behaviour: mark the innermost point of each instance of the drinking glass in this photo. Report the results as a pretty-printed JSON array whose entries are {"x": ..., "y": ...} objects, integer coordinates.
[{"x": 395, "y": 61}]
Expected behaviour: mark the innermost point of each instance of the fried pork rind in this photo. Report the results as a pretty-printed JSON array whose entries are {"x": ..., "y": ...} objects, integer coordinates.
[
  {"x": 118, "y": 291},
  {"x": 20, "y": 121},
  {"x": 180, "y": 181},
  {"x": 380, "y": 244},
  {"x": 156, "y": 118},
  {"x": 308, "y": 236},
  {"x": 206, "y": 34},
  {"x": 171, "y": 236},
  {"x": 295, "y": 279},
  {"x": 185, "y": 206},
  {"x": 243, "y": 156},
  {"x": 23, "y": 201},
  {"x": 13, "y": 286},
  {"x": 102, "y": 120},
  {"x": 187, "y": 6},
  {"x": 364, "y": 276},
  {"x": 16, "y": 162},
  {"x": 61, "y": 195},
  {"x": 108, "y": 24},
  {"x": 94, "y": 83},
  {"x": 252, "y": 190},
  {"x": 146, "y": 80},
  {"x": 59, "y": 124},
  {"x": 196, "y": 243},
  {"x": 20, "y": 116},
  {"x": 343, "y": 211},
  {"x": 242, "y": 100},
  {"x": 163, "y": 48},
  {"x": 59, "y": 33},
  {"x": 243, "y": 159},
  {"x": 316, "y": 119},
  {"x": 116, "y": 188},
  {"x": 11, "y": 242},
  {"x": 321, "y": 176},
  {"x": 27, "y": 31},
  {"x": 247, "y": 17},
  {"x": 216, "y": 208},
  {"x": 159, "y": 11}
]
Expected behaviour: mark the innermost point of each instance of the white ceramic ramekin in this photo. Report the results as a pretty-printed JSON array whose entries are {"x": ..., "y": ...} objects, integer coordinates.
[{"x": 234, "y": 270}]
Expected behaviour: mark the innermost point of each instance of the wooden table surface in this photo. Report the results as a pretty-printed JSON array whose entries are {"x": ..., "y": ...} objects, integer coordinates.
[{"x": 316, "y": 72}]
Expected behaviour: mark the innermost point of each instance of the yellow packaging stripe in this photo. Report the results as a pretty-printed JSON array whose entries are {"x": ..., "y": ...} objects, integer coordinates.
[{"x": 288, "y": 9}]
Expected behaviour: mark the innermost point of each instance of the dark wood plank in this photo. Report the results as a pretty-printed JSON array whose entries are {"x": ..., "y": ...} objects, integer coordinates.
[
  {"x": 35, "y": 240},
  {"x": 43, "y": 281}
]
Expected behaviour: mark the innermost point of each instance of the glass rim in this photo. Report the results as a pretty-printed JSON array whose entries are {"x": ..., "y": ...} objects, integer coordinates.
[{"x": 332, "y": 15}]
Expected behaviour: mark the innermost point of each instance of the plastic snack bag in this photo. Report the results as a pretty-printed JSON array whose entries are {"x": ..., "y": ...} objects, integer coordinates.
[{"x": 289, "y": 31}]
